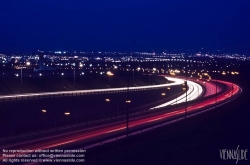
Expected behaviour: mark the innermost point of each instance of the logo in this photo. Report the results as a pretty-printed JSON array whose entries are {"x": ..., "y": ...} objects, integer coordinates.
[{"x": 233, "y": 154}]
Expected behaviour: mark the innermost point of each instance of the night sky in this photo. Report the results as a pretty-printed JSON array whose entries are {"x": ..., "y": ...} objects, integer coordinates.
[{"x": 124, "y": 25}]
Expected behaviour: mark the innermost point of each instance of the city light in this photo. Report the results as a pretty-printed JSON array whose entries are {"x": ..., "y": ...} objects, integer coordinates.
[
  {"x": 110, "y": 73},
  {"x": 177, "y": 71}
]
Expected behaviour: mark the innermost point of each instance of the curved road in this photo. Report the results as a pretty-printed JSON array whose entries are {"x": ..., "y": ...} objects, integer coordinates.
[
  {"x": 175, "y": 81},
  {"x": 108, "y": 129}
]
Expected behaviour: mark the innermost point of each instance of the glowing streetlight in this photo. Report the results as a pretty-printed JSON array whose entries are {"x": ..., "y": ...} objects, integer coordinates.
[
  {"x": 108, "y": 100},
  {"x": 27, "y": 63},
  {"x": 163, "y": 94},
  {"x": 67, "y": 113},
  {"x": 205, "y": 83},
  {"x": 109, "y": 74},
  {"x": 128, "y": 101},
  {"x": 44, "y": 111}
]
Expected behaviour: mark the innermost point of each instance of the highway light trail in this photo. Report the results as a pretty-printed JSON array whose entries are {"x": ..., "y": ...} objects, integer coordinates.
[
  {"x": 193, "y": 92},
  {"x": 175, "y": 81},
  {"x": 111, "y": 128},
  {"x": 211, "y": 89}
]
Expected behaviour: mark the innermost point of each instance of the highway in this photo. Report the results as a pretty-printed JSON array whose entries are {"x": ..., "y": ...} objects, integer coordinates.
[
  {"x": 194, "y": 91},
  {"x": 211, "y": 89},
  {"x": 135, "y": 122},
  {"x": 174, "y": 81}
]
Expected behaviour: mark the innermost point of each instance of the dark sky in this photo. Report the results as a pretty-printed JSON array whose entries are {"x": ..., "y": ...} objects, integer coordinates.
[{"x": 125, "y": 25}]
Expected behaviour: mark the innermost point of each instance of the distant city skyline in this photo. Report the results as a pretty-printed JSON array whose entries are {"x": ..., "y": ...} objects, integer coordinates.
[{"x": 185, "y": 51}]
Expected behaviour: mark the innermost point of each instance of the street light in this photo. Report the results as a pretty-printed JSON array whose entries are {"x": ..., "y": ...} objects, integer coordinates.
[
  {"x": 133, "y": 76},
  {"x": 21, "y": 80},
  {"x": 45, "y": 117},
  {"x": 205, "y": 84},
  {"x": 127, "y": 112},
  {"x": 27, "y": 64},
  {"x": 66, "y": 118},
  {"x": 109, "y": 74},
  {"x": 74, "y": 78},
  {"x": 67, "y": 113}
]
